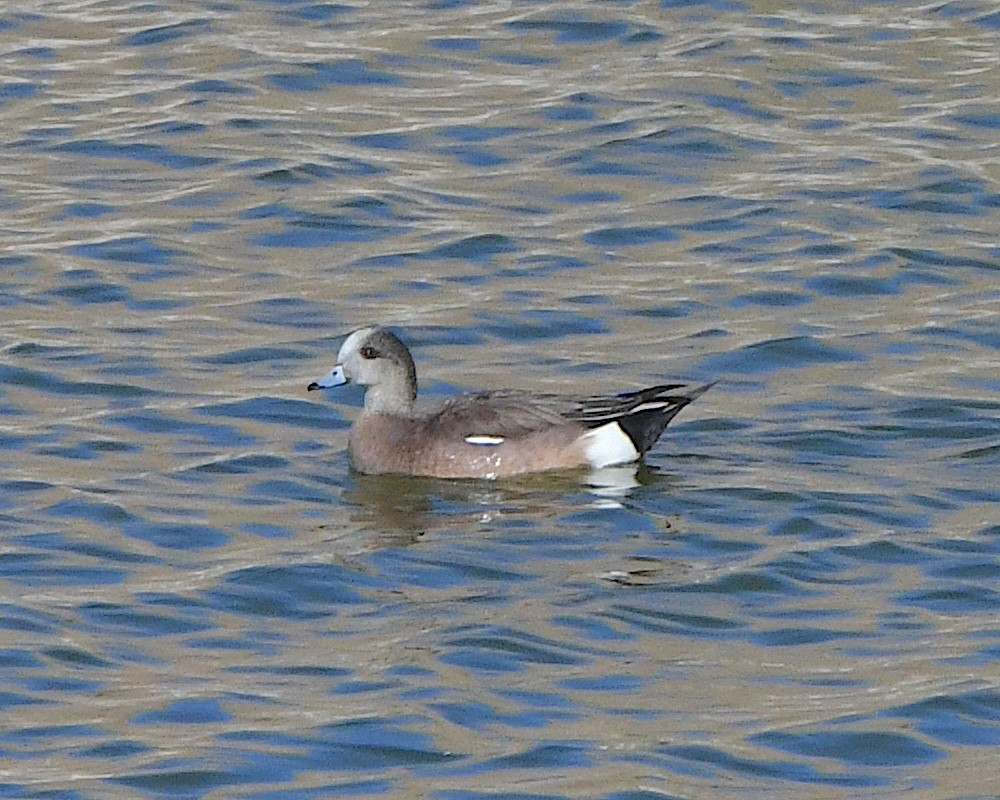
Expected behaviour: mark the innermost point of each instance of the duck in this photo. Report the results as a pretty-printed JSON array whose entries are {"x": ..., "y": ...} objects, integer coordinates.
[{"x": 489, "y": 434}]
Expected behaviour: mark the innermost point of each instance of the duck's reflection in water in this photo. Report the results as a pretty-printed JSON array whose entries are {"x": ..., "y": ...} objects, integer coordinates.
[{"x": 402, "y": 508}]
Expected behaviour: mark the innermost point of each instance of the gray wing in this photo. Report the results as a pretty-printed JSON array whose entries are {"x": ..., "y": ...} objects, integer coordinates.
[
  {"x": 506, "y": 414},
  {"x": 510, "y": 413}
]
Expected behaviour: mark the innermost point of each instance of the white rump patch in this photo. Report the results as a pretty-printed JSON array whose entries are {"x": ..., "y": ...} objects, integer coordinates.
[
  {"x": 488, "y": 440},
  {"x": 608, "y": 445}
]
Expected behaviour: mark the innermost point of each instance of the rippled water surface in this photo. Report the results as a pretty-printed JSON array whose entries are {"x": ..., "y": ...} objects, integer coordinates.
[{"x": 799, "y": 595}]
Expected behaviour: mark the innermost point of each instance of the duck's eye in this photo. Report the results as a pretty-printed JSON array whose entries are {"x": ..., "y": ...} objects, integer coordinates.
[{"x": 369, "y": 352}]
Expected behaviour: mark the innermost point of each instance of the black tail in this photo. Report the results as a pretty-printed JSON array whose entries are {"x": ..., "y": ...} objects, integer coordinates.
[{"x": 646, "y": 419}]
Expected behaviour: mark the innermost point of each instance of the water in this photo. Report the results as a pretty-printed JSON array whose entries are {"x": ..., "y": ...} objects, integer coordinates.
[{"x": 796, "y": 598}]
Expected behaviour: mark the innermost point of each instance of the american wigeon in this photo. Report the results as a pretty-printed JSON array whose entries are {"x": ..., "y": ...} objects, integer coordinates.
[{"x": 489, "y": 434}]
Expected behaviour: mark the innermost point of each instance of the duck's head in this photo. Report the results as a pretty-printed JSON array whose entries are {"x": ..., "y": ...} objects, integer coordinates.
[{"x": 376, "y": 359}]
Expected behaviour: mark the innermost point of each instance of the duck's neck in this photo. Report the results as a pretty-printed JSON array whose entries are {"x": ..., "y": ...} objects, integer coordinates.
[{"x": 394, "y": 396}]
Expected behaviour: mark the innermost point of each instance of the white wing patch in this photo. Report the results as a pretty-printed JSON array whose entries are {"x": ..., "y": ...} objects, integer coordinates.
[
  {"x": 486, "y": 440},
  {"x": 609, "y": 445},
  {"x": 653, "y": 405}
]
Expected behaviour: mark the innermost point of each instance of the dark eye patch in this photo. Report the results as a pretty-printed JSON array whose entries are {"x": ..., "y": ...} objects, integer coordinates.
[{"x": 369, "y": 352}]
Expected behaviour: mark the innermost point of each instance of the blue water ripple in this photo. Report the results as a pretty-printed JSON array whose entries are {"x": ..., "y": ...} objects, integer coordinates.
[
  {"x": 175, "y": 535},
  {"x": 708, "y": 761},
  {"x": 571, "y": 28},
  {"x": 76, "y": 657},
  {"x": 440, "y": 572},
  {"x": 128, "y": 249},
  {"x": 137, "y": 151},
  {"x": 631, "y": 236},
  {"x": 463, "y": 44},
  {"x": 114, "y": 749},
  {"x": 367, "y": 744},
  {"x": 19, "y": 659},
  {"x": 323, "y": 230},
  {"x": 591, "y": 628},
  {"x": 310, "y": 172},
  {"x": 279, "y": 411},
  {"x": 657, "y": 620},
  {"x": 243, "y": 464},
  {"x": 934, "y": 258},
  {"x": 474, "y": 248},
  {"x": 971, "y": 718},
  {"x": 801, "y": 636},
  {"x": 87, "y": 210},
  {"x": 548, "y": 756},
  {"x": 47, "y": 683},
  {"x": 475, "y": 156},
  {"x": 155, "y": 421},
  {"x": 958, "y": 598},
  {"x": 167, "y": 33},
  {"x": 321, "y": 12},
  {"x": 117, "y": 619},
  {"x": 985, "y": 119},
  {"x": 741, "y": 106},
  {"x": 218, "y": 86},
  {"x": 604, "y": 683},
  {"x": 172, "y": 780},
  {"x": 42, "y": 570},
  {"x": 293, "y": 592},
  {"x": 93, "y": 293},
  {"x": 92, "y": 510},
  {"x": 479, "y": 716},
  {"x": 346, "y": 72},
  {"x": 857, "y": 748},
  {"x": 772, "y": 299},
  {"x": 793, "y": 352},
  {"x": 477, "y": 134},
  {"x": 847, "y": 285},
  {"x": 277, "y": 492},
  {"x": 185, "y": 712},
  {"x": 16, "y": 90},
  {"x": 494, "y": 649},
  {"x": 252, "y": 355},
  {"x": 357, "y": 788},
  {"x": 538, "y": 325},
  {"x": 388, "y": 141}
]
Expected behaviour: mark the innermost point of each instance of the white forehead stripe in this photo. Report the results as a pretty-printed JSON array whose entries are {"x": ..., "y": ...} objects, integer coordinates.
[
  {"x": 353, "y": 343},
  {"x": 487, "y": 440}
]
